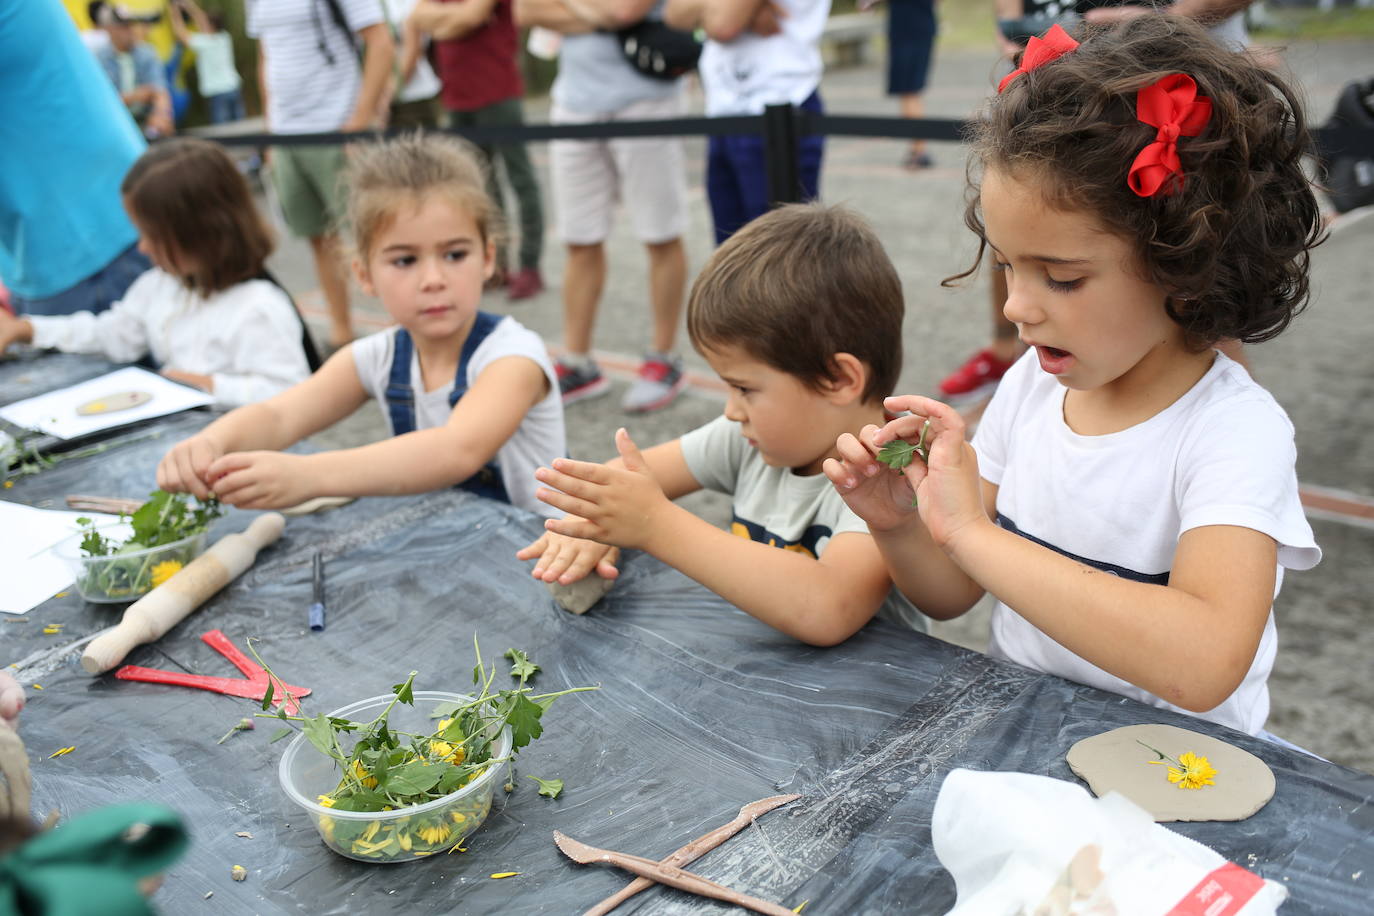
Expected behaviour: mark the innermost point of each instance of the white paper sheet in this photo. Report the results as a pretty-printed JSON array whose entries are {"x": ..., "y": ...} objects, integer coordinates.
[
  {"x": 55, "y": 413},
  {"x": 30, "y": 570}
]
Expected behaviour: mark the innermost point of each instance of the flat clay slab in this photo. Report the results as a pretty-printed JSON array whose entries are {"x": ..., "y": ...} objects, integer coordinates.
[
  {"x": 579, "y": 597},
  {"x": 1115, "y": 761}
]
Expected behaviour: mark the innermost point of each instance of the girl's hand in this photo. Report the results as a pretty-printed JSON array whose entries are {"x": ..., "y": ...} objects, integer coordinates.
[
  {"x": 186, "y": 467},
  {"x": 610, "y": 505},
  {"x": 947, "y": 486},
  {"x": 262, "y": 480},
  {"x": 877, "y": 494},
  {"x": 566, "y": 560}
]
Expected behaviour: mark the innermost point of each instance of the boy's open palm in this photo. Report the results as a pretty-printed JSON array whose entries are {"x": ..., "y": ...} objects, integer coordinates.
[
  {"x": 566, "y": 559},
  {"x": 611, "y": 505}
]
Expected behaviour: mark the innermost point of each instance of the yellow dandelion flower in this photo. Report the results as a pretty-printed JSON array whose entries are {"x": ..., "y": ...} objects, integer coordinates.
[
  {"x": 9, "y": 484},
  {"x": 326, "y": 801},
  {"x": 443, "y": 724},
  {"x": 367, "y": 779},
  {"x": 1189, "y": 771},
  {"x": 164, "y": 571},
  {"x": 435, "y": 834},
  {"x": 446, "y": 751}
]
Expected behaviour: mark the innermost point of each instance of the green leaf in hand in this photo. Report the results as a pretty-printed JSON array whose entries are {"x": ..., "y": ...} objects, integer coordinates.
[{"x": 549, "y": 787}]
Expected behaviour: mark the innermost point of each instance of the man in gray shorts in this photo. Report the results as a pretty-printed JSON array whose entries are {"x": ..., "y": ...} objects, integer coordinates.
[
  {"x": 596, "y": 84},
  {"x": 313, "y": 82}
]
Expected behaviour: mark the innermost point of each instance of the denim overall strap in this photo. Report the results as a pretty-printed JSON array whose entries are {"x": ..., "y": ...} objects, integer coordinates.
[
  {"x": 487, "y": 481},
  {"x": 400, "y": 396}
]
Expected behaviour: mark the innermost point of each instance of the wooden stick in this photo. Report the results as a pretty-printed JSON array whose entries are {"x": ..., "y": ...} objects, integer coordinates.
[
  {"x": 696, "y": 849},
  {"x": 111, "y": 505},
  {"x": 167, "y": 605},
  {"x": 665, "y": 874}
]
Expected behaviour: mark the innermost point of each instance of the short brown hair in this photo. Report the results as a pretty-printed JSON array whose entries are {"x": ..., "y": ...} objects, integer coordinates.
[
  {"x": 1231, "y": 245},
  {"x": 384, "y": 177},
  {"x": 191, "y": 200},
  {"x": 798, "y": 285}
]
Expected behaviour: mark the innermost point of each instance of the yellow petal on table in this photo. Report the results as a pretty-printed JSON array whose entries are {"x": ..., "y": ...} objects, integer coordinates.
[
  {"x": 61, "y": 752},
  {"x": 506, "y": 874}
]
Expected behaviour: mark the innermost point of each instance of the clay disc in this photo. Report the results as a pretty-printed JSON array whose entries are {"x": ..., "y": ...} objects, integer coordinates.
[
  {"x": 1114, "y": 761},
  {"x": 110, "y": 403}
]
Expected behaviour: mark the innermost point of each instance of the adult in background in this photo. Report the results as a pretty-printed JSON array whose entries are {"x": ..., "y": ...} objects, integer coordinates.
[
  {"x": 135, "y": 70},
  {"x": 216, "y": 76},
  {"x": 66, "y": 141},
  {"x": 415, "y": 94},
  {"x": 596, "y": 84},
  {"x": 980, "y": 374},
  {"x": 312, "y": 82},
  {"x": 911, "y": 30},
  {"x": 477, "y": 49},
  {"x": 757, "y": 53}
]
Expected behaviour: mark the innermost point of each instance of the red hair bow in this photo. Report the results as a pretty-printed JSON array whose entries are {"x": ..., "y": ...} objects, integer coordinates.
[
  {"x": 1040, "y": 51},
  {"x": 1172, "y": 105}
]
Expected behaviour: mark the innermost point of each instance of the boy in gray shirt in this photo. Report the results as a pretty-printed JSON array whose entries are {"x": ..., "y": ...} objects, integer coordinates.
[{"x": 776, "y": 312}]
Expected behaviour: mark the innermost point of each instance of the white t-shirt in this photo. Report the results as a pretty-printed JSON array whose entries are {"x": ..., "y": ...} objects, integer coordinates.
[
  {"x": 772, "y": 505},
  {"x": 1223, "y": 454},
  {"x": 424, "y": 82},
  {"x": 215, "y": 70},
  {"x": 538, "y": 440},
  {"x": 740, "y": 77},
  {"x": 306, "y": 93},
  {"x": 246, "y": 338}
]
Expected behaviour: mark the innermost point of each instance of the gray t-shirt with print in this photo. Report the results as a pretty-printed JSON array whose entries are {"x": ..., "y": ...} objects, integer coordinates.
[
  {"x": 775, "y": 506},
  {"x": 594, "y": 78}
]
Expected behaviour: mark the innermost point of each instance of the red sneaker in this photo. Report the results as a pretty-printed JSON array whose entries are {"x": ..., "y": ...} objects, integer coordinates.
[
  {"x": 524, "y": 283},
  {"x": 976, "y": 378}
]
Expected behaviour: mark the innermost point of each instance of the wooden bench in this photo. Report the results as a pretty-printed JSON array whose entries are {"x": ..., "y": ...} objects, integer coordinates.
[{"x": 847, "y": 36}]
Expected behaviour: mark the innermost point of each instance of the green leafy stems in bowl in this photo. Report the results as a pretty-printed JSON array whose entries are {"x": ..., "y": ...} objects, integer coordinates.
[
  {"x": 163, "y": 520},
  {"x": 387, "y": 769}
]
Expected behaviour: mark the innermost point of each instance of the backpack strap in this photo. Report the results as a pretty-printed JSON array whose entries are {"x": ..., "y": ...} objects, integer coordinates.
[
  {"x": 312, "y": 356},
  {"x": 337, "y": 14}
]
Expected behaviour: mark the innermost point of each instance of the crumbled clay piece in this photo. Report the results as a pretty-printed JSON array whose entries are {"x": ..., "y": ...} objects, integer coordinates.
[
  {"x": 238, "y": 873},
  {"x": 582, "y": 594},
  {"x": 245, "y": 834}
]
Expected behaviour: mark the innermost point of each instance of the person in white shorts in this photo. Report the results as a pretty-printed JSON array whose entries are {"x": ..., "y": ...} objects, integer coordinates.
[{"x": 595, "y": 83}]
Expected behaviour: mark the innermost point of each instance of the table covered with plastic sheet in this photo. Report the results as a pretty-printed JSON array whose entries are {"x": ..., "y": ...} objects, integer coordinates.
[{"x": 700, "y": 710}]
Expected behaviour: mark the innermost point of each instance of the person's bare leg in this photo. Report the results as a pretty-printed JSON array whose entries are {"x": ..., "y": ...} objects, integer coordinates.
[
  {"x": 1006, "y": 344},
  {"x": 329, "y": 267},
  {"x": 584, "y": 276},
  {"x": 913, "y": 106},
  {"x": 667, "y": 287}
]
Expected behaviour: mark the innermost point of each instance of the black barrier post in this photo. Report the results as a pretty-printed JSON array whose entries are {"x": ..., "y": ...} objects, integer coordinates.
[{"x": 780, "y": 149}]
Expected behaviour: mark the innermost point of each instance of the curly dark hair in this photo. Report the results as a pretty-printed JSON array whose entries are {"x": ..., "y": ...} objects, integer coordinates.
[{"x": 1231, "y": 245}]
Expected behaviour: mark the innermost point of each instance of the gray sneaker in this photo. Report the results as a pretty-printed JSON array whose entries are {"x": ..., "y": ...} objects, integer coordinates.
[{"x": 660, "y": 381}]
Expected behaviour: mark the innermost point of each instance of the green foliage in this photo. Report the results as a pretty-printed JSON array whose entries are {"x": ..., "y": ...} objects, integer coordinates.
[
  {"x": 521, "y": 666},
  {"x": 549, "y": 787},
  {"x": 164, "y": 520}
]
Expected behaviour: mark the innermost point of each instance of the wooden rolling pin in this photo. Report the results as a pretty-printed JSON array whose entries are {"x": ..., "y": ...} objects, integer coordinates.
[{"x": 167, "y": 605}]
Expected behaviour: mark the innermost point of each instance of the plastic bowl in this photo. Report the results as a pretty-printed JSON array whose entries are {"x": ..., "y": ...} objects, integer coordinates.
[
  {"x": 129, "y": 575},
  {"x": 306, "y": 774}
]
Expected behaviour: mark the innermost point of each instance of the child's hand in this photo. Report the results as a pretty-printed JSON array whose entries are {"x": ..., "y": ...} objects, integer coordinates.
[
  {"x": 186, "y": 467},
  {"x": 11, "y": 700},
  {"x": 13, "y": 330},
  {"x": 262, "y": 480},
  {"x": 566, "y": 560},
  {"x": 611, "y": 505},
  {"x": 947, "y": 486},
  {"x": 878, "y": 494}
]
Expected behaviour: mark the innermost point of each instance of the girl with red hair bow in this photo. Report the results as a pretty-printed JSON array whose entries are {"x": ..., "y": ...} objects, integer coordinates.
[{"x": 1130, "y": 497}]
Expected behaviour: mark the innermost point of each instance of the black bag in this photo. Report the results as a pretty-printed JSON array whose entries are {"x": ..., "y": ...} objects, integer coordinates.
[
  {"x": 1349, "y": 179},
  {"x": 659, "y": 51}
]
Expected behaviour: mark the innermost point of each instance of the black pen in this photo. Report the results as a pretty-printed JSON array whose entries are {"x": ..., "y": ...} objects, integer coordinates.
[{"x": 317, "y": 609}]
